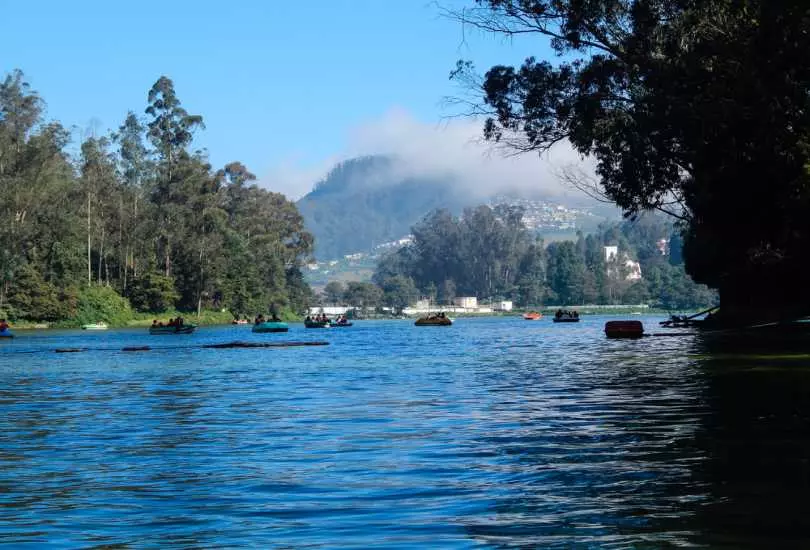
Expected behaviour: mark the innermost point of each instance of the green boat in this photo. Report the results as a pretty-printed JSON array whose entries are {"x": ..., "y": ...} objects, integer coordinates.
[
  {"x": 185, "y": 329},
  {"x": 317, "y": 324},
  {"x": 270, "y": 326}
]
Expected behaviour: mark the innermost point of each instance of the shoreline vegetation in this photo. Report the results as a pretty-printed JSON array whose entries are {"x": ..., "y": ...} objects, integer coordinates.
[{"x": 118, "y": 226}]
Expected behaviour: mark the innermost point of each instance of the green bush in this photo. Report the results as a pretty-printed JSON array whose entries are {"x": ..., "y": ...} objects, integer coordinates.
[
  {"x": 153, "y": 292},
  {"x": 102, "y": 303}
]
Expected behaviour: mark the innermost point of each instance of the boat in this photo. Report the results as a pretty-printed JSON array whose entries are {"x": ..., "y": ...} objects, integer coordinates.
[
  {"x": 95, "y": 326},
  {"x": 6, "y": 334},
  {"x": 435, "y": 320},
  {"x": 270, "y": 326},
  {"x": 342, "y": 324},
  {"x": 624, "y": 329},
  {"x": 566, "y": 317},
  {"x": 317, "y": 324},
  {"x": 183, "y": 329},
  {"x": 239, "y": 322},
  {"x": 532, "y": 316}
]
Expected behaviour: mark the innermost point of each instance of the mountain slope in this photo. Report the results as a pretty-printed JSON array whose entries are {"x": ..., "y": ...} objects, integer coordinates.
[{"x": 366, "y": 201}]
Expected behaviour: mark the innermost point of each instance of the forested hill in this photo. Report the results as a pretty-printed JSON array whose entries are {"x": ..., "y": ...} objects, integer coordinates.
[
  {"x": 136, "y": 219},
  {"x": 367, "y": 201}
]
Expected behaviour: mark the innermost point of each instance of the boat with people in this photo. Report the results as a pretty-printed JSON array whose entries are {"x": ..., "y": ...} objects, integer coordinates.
[
  {"x": 174, "y": 326},
  {"x": 434, "y": 320},
  {"x": 532, "y": 316},
  {"x": 95, "y": 326},
  {"x": 5, "y": 330},
  {"x": 565, "y": 316},
  {"x": 274, "y": 324},
  {"x": 341, "y": 321},
  {"x": 318, "y": 321},
  {"x": 240, "y": 322}
]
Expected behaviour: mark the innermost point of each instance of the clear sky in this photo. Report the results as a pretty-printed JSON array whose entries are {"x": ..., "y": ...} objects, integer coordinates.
[{"x": 276, "y": 81}]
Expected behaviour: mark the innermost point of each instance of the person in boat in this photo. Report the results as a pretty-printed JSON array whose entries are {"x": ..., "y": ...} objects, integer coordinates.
[
  {"x": 558, "y": 314},
  {"x": 3, "y": 325},
  {"x": 275, "y": 318},
  {"x": 308, "y": 319},
  {"x": 154, "y": 323},
  {"x": 180, "y": 322},
  {"x": 576, "y": 315},
  {"x": 171, "y": 322}
]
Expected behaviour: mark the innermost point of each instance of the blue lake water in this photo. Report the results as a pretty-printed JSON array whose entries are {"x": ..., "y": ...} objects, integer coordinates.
[{"x": 491, "y": 433}]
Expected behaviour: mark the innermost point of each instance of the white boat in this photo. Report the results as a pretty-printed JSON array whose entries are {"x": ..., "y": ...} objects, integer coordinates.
[{"x": 95, "y": 326}]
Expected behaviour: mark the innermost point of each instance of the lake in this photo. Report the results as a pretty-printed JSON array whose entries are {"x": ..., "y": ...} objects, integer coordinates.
[{"x": 494, "y": 432}]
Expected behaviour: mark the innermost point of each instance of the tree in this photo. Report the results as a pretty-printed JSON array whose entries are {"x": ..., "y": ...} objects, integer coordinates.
[
  {"x": 362, "y": 295},
  {"x": 566, "y": 272},
  {"x": 399, "y": 292},
  {"x": 697, "y": 109},
  {"x": 333, "y": 292}
]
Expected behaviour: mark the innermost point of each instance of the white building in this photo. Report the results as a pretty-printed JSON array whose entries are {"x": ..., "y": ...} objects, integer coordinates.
[
  {"x": 633, "y": 268},
  {"x": 505, "y": 305},
  {"x": 468, "y": 302}
]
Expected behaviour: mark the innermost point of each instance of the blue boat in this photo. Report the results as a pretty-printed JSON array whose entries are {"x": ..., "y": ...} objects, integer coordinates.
[
  {"x": 6, "y": 333},
  {"x": 270, "y": 326}
]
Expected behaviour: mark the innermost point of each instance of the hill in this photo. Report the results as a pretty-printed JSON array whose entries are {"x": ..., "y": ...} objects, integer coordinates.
[{"x": 366, "y": 201}]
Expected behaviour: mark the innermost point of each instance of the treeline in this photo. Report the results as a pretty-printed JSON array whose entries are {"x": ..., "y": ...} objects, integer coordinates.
[
  {"x": 490, "y": 254},
  {"x": 138, "y": 214}
]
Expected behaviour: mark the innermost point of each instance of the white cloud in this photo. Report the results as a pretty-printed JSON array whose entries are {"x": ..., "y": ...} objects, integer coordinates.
[{"x": 453, "y": 147}]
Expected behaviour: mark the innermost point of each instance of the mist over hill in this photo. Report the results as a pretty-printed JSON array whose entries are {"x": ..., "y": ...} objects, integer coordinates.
[{"x": 366, "y": 201}]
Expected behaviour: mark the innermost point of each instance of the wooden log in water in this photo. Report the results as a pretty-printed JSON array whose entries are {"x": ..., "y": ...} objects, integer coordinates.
[
  {"x": 136, "y": 348},
  {"x": 69, "y": 350},
  {"x": 231, "y": 345}
]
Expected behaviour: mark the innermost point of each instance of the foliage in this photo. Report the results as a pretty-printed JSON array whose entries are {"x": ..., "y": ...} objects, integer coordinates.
[
  {"x": 698, "y": 109},
  {"x": 140, "y": 212},
  {"x": 152, "y": 292},
  {"x": 490, "y": 254},
  {"x": 363, "y": 295},
  {"x": 399, "y": 292},
  {"x": 102, "y": 304},
  {"x": 333, "y": 292}
]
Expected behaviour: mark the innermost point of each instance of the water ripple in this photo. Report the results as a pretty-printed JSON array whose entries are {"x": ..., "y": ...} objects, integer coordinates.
[{"x": 494, "y": 432}]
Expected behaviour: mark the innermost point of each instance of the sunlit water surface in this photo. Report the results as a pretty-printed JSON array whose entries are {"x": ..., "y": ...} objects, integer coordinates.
[{"x": 494, "y": 432}]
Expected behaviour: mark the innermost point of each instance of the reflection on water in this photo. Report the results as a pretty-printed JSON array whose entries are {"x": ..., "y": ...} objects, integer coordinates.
[{"x": 494, "y": 432}]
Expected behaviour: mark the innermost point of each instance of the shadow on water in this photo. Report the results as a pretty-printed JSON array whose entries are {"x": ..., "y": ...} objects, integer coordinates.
[
  {"x": 756, "y": 437},
  {"x": 706, "y": 445}
]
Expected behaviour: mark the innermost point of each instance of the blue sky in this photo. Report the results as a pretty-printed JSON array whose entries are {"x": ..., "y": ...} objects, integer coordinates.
[{"x": 278, "y": 83}]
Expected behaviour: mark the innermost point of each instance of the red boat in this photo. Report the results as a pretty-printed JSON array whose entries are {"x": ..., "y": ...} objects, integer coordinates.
[{"x": 532, "y": 316}]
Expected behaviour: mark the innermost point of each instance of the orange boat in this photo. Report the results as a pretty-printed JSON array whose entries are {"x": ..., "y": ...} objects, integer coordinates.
[{"x": 532, "y": 316}]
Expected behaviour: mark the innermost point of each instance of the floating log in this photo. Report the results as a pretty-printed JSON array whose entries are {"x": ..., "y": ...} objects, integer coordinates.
[
  {"x": 69, "y": 350},
  {"x": 136, "y": 348},
  {"x": 230, "y": 345}
]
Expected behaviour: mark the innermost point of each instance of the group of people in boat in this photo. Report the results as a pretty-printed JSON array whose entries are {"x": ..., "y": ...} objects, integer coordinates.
[
  {"x": 323, "y": 318},
  {"x": 261, "y": 319},
  {"x": 440, "y": 315},
  {"x": 176, "y": 323},
  {"x": 4, "y": 326},
  {"x": 566, "y": 314}
]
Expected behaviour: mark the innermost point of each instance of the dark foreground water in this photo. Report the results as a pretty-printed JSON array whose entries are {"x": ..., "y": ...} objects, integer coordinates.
[{"x": 492, "y": 433}]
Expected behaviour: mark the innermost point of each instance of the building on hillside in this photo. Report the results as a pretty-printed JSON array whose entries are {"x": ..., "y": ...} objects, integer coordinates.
[
  {"x": 633, "y": 268},
  {"x": 504, "y": 305},
  {"x": 468, "y": 302}
]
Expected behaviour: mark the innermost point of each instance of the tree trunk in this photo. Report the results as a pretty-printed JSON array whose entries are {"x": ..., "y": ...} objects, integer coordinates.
[{"x": 100, "y": 255}]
